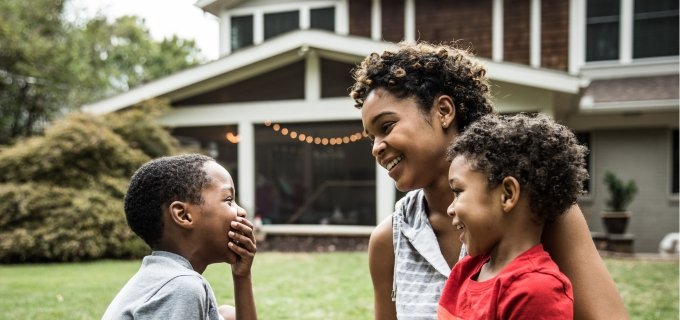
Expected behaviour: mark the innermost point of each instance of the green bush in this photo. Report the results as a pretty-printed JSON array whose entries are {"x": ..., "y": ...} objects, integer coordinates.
[
  {"x": 61, "y": 194},
  {"x": 621, "y": 193}
]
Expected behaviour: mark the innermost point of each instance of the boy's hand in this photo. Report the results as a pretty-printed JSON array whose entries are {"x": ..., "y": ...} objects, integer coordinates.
[{"x": 246, "y": 250}]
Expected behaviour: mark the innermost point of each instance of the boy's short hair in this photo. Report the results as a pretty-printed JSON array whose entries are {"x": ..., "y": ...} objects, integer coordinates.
[
  {"x": 544, "y": 156},
  {"x": 157, "y": 184}
]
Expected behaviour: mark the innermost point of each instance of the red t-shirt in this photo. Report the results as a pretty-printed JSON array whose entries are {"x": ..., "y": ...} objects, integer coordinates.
[{"x": 530, "y": 287}]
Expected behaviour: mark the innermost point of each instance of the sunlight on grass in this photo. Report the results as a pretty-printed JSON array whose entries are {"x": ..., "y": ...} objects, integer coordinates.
[{"x": 287, "y": 286}]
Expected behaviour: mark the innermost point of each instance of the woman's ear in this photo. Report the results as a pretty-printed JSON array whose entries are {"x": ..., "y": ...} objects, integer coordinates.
[
  {"x": 446, "y": 111},
  {"x": 510, "y": 193},
  {"x": 181, "y": 215}
]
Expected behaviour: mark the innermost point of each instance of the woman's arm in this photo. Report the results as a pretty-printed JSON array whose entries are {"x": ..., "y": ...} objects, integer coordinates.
[
  {"x": 381, "y": 264},
  {"x": 570, "y": 245}
]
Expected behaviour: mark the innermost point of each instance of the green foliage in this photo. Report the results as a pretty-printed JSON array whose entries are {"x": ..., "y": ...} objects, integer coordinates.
[
  {"x": 50, "y": 66},
  {"x": 621, "y": 194},
  {"x": 61, "y": 194}
]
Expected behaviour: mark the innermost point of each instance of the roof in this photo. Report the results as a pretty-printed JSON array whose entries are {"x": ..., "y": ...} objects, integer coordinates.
[
  {"x": 658, "y": 93},
  {"x": 334, "y": 44}
]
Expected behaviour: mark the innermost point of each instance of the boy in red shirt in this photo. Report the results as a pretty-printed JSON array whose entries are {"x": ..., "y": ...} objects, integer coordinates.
[{"x": 510, "y": 176}]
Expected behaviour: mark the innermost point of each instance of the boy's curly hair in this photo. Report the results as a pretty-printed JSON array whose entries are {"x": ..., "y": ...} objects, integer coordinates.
[
  {"x": 426, "y": 71},
  {"x": 544, "y": 156},
  {"x": 156, "y": 185}
]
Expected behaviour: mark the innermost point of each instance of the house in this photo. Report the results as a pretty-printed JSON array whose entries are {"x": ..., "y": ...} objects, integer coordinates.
[{"x": 274, "y": 108}]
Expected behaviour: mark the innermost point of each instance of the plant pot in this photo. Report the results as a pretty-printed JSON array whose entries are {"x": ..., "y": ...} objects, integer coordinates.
[{"x": 615, "y": 222}]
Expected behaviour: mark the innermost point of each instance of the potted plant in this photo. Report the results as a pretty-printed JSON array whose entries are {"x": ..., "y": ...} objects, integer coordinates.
[{"x": 616, "y": 218}]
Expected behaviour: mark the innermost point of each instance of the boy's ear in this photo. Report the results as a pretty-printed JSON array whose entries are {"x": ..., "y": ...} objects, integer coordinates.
[
  {"x": 510, "y": 193},
  {"x": 181, "y": 215},
  {"x": 446, "y": 111}
]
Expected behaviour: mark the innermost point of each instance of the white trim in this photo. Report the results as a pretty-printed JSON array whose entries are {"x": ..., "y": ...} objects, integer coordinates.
[
  {"x": 245, "y": 191},
  {"x": 330, "y": 109},
  {"x": 282, "y": 7},
  {"x": 289, "y": 43},
  {"x": 305, "y": 17},
  {"x": 225, "y": 33},
  {"x": 342, "y": 17},
  {"x": 216, "y": 6},
  {"x": 656, "y": 66},
  {"x": 317, "y": 230},
  {"x": 385, "y": 195},
  {"x": 577, "y": 35},
  {"x": 258, "y": 27},
  {"x": 312, "y": 77},
  {"x": 497, "y": 31},
  {"x": 376, "y": 20},
  {"x": 535, "y": 48},
  {"x": 587, "y": 105},
  {"x": 626, "y": 32},
  {"x": 410, "y": 21}
]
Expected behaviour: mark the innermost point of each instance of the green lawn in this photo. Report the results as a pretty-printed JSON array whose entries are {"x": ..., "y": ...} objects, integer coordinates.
[{"x": 287, "y": 286}]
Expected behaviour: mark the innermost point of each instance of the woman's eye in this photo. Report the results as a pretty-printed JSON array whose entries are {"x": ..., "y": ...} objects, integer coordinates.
[{"x": 387, "y": 126}]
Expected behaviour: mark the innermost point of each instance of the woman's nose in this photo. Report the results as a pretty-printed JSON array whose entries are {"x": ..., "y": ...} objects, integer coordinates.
[
  {"x": 450, "y": 211},
  {"x": 378, "y": 147}
]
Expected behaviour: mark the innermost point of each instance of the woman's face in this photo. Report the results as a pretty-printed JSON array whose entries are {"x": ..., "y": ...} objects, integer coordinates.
[{"x": 409, "y": 144}]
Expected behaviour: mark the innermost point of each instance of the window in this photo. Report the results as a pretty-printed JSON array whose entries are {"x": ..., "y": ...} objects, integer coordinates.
[
  {"x": 655, "y": 29},
  {"x": 674, "y": 171},
  {"x": 322, "y": 19},
  {"x": 282, "y": 22},
  {"x": 241, "y": 32},
  {"x": 584, "y": 139},
  {"x": 602, "y": 30}
]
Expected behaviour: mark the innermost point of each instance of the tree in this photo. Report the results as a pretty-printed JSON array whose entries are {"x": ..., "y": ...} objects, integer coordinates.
[{"x": 50, "y": 66}]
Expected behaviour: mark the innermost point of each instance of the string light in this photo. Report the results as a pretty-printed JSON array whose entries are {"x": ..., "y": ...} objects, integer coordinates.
[
  {"x": 233, "y": 138},
  {"x": 311, "y": 139}
]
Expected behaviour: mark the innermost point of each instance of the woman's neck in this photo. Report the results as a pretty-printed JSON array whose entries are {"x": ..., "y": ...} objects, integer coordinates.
[{"x": 438, "y": 197}]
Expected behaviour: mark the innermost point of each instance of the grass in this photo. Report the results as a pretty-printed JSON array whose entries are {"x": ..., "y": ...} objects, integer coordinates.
[{"x": 287, "y": 286}]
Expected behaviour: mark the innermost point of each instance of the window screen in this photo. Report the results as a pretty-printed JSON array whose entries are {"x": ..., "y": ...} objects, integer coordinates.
[
  {"x": 323, "y": 19},
  {"x": 282, "y": 22},
  {"x": 602, "y": 30},
  {"x": 655, "y": 29},
  {"x": 241, "y": 32}
]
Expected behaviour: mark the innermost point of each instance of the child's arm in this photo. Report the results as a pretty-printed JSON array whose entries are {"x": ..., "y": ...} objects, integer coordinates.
[
  {"x": 570, "y": 245},
  {"x": 240, "y": 270}
]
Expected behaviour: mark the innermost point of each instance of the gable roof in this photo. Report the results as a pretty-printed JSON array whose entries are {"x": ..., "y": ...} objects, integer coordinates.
[{"x": 347, "y": 46}]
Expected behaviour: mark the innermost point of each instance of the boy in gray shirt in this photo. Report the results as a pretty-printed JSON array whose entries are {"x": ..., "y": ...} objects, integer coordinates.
[{"x": 183, "y": 207}]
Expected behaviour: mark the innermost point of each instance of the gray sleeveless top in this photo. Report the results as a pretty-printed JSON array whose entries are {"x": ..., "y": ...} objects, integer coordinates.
[{"x": 420, "y": 270}]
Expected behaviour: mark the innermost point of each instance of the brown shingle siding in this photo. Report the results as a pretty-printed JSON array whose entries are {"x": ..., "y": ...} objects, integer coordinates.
[
  {"x": 392, "y": 20},
  {"x": 467, "y": 21},
  {"x": 516, "y": 31},
  {"x": 281, "y": 84},
  {"x": 555, "y": 34},
  {"x": 360, "y": 18}
]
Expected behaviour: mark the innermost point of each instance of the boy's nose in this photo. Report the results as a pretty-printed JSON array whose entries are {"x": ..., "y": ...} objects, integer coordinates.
[{"x": 241, "y": 212}]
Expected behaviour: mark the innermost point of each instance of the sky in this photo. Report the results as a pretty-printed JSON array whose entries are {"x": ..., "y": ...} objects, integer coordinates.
[{"x": 163, "y": 18}]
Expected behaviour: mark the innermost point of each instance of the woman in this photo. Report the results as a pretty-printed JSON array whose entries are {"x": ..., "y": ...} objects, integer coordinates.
[{"x": 414, "y": 102}]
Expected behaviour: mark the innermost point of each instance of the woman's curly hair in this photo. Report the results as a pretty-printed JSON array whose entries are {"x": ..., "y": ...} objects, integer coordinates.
[
  {"x": 544, "y": 156},
  {"x": 426, "y": 71}
]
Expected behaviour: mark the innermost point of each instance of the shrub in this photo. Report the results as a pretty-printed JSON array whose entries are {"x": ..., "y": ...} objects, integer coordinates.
[
  {"x": 621, "y": 194},
  {"x": 61, "y": 194}
]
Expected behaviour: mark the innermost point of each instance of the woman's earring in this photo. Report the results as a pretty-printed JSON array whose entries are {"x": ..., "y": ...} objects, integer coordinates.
[{"x": 444, "y": 124}]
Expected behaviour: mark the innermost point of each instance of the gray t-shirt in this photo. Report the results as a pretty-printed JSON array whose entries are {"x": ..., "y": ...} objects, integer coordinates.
[{"x": 165, "y": 287}]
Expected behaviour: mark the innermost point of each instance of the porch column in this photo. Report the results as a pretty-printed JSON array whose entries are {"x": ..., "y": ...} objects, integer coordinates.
[
  {"x": 225, "y": 33},
  {"x": 245, "y": 191},
  {"x": 385, "y": 194}
]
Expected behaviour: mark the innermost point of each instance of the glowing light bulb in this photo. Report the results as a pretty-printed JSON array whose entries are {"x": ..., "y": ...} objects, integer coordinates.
[
  {"x": 309, "y": 139},
  {"x": 332, "y": 141},
  {"x": 276, "y": 127},
  {"x": 302, "y": 137},
  {"x": 345, "y": 139},
  {"x": 293, "y": 134},
  {"x": 317, "y": 140},
  {"x": 364, "y": 134},
  {"x": 284, "y": 131},
  {"x": 353, "y": 138},
  {"x": 324, "y": 141},
  {"x": 267, "y": 123}
]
